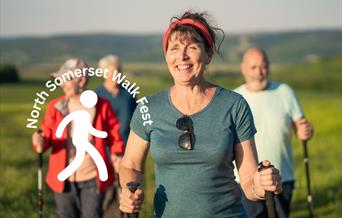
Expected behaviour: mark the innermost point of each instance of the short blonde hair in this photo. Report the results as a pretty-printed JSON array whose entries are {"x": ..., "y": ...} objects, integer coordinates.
[{"x": 110, "y": 61}]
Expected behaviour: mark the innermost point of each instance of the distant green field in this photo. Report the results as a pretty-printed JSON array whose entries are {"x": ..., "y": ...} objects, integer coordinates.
[{"x": 322, "y": 104}]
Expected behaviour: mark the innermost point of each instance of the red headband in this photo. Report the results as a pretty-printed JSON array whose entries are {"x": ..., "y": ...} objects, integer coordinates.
[{"x": 195, "y": 23}]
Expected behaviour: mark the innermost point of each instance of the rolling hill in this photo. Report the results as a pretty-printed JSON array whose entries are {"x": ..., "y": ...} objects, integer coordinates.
[{"x": 285, "y": 47}]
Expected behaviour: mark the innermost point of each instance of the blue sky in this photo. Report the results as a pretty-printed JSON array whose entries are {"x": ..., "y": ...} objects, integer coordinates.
[{"x": 46, "y": 17}]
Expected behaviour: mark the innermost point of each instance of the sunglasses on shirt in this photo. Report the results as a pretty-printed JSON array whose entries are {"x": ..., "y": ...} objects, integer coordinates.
[{"x": 186, "y": 140}]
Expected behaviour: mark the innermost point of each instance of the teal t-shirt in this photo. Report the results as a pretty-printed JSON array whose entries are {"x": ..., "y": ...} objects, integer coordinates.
[{"x": 200, "y": 182}]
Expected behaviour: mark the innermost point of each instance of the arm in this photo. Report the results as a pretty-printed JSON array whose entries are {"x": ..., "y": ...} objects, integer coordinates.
[
  {"x": 303, "y": 129},
  {"x": 246, "y": 162},
  {"x": 41, "y": 141},
  {"x": 254, "y": 183},
  {"x": 131, "y": 169},
  {"x": 38, "y": 142}
]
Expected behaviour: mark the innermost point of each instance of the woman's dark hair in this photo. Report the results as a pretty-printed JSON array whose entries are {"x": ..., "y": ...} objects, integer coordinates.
[{"x": 188, "y": 31}]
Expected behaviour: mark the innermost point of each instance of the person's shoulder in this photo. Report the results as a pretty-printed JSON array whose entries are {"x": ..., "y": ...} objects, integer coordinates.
[
  {"x": 56, "y": 104},
  {"x": 55, "y": 101},
  {"x": 155, "y": 102},
  {"x": 99, "y": 89},
  {"x": 158, "y": 97},
  {"x": 227, "y": 93},
  {"x": 231, "y": 101},
  {"x": 229, "y": 97},
  {"x": 283, "y": 87}
]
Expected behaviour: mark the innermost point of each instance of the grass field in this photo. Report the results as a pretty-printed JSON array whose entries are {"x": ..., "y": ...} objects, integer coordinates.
[{"x": 322, "y": 105}]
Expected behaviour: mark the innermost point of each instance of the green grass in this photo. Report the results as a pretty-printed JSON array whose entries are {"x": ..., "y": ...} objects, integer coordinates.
[
  {"x": 322, "y": 106},
  {"x": 325, "y": 151}
]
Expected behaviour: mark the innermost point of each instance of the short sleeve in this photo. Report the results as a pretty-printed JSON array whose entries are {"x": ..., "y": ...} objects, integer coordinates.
[
  {"x": 244, "y": 123},
  {"x": 295, "y": 109},
  {"x": 137, "y": 124}
]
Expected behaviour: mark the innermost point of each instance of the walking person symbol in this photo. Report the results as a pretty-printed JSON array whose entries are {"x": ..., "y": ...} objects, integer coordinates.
[{"x": 82, "y": 128}]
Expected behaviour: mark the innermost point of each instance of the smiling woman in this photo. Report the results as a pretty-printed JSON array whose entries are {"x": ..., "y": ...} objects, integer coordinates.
[
  {"x": 189, "y": 45},
  {"x": 198, "y": 130}
]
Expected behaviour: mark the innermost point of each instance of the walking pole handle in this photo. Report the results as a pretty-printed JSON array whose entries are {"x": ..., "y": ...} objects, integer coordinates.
[
  {"x": 132, "y": 187},
  {"x": 269, "y": 196}
]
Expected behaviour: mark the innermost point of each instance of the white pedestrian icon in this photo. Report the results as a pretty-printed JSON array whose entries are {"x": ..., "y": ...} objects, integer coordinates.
[{"x": 82, "y": 127}]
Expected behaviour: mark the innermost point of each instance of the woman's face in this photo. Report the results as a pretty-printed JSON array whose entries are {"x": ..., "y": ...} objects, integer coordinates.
[{"x": 186, "y": 59}]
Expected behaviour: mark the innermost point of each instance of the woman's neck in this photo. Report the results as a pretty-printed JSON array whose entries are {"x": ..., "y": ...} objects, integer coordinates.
[
  {"x": 191, "y": 99},
  {"x": 74, "y": 103},
  {"x": 75, "y": 99}
]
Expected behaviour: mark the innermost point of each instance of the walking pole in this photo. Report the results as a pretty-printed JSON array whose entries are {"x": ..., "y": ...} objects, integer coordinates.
[
  {"x": 133, "y": 186},
  {"x": 40, "y": 185},
  {"x": 269, "y": 197},
  {"x": 40, "y": 182},
  {"x": 307, "y": 174}
]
